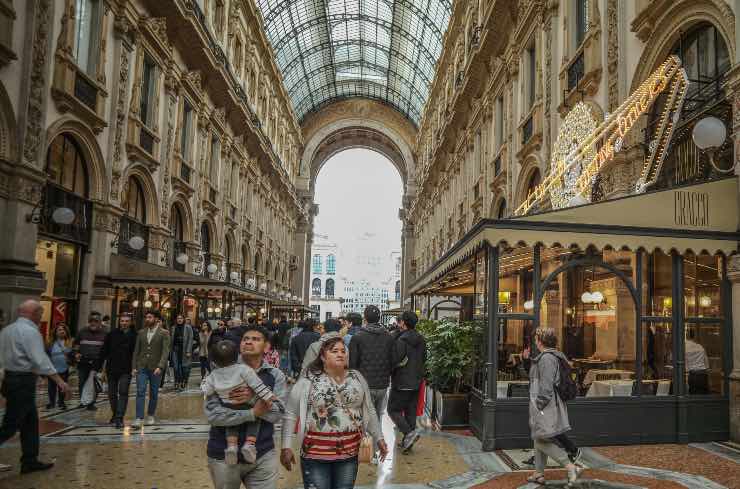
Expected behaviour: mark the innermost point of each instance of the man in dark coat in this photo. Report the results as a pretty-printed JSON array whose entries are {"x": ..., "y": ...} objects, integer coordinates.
[
  {"x": 118, "y": 351},
  {"x": 300, "y": 344},
  {"x": 410, "y": 354}
]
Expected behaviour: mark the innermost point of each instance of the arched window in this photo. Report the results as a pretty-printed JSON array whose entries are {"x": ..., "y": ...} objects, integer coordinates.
[
  {"x": 228, "y": 249},
  {"x": 330, "y": 288},
  {"x": 331, "y": 265},
  {"x": 501, "y": 213},
  {"x": 316, "y": 287},
  {"x": 134, "y": 204},
  {"x": 534, "y": 180},
  {"x": 257, "y": 262},
  {"x": 316, "y": 264},
  {"x": 205, "y": 238},
  {"x": 177, "y": 224},
  {"x": 245, "y": 256},
  {"x": 66, "y": 166}
]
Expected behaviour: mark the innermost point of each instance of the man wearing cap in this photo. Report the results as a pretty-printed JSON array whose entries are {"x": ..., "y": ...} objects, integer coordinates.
[{"x": 371, "y": 353}]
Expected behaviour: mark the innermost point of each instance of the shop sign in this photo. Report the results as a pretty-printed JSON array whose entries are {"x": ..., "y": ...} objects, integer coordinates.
[
  {"x": 581, "y": 150},
  {"x": 691, "y": 208}
]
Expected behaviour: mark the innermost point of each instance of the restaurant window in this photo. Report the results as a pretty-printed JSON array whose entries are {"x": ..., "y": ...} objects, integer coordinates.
[
  {"x": 65, "y": 165},
  {"x": 704, "y": 358},
  {"x": 316, "y": 287},
  {"x": 657, "y": 279},
  {"x": 516, "y": 280},
  {"x": 87, "y": 28},
  {"x": 186, "y": 128},
  {"x": 702, "y": 277},
  {"x": 135, "y": 205},
  {"x": 148, "y": 92}
]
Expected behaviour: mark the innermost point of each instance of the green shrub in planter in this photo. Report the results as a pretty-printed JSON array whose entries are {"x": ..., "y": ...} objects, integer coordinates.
[{"x": 452, "y": 352}]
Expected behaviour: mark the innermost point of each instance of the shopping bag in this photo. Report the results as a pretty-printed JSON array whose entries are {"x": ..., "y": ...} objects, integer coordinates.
[
  {"x": 365, "y": 455},
  {"x": 88, "y": 390},
  {"x": 420, "y": 404},
  {"x": 99, "y": 386}
]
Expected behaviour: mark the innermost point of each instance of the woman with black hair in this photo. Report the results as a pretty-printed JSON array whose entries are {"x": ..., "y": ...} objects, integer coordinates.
[{"x": 333, "y": 408}]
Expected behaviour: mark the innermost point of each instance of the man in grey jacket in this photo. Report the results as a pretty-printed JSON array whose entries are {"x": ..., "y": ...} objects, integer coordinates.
[
  {"x": 150, "y": 359},
  {"x": 182, "y": 350}
]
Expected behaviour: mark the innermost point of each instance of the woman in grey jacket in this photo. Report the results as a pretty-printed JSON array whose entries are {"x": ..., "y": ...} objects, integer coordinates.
[{"x": 548, "y": 414}]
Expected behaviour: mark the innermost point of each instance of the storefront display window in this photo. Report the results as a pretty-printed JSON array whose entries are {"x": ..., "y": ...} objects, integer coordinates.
[
  {"x": 516, "y": 280},
  {"x": 704, "y": 359},
  {"x": 657, "y": 358},
  {"x": 657, "y": 273},
  {"x": 702, "y": 279}
]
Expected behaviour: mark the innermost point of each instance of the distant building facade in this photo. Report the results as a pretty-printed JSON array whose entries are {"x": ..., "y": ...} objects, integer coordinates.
[{"x": 325, "y": 288}]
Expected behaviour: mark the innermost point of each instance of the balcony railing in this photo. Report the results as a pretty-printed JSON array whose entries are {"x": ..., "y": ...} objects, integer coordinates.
[
  {"x": 575, "y": 72},
  {"x": 79, "y": 230},
  {"x": 234, "y": 267},
  {"x": 130, "y": 228},
  {"x": 527, "y": 130}
]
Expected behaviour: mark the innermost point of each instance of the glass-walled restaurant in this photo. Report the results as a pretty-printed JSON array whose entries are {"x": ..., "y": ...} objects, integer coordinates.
[{"x": 642, "y": 313}]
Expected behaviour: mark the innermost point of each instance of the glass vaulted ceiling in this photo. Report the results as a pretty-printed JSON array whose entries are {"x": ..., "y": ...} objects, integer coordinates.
[{"x": 334, "y": 49}]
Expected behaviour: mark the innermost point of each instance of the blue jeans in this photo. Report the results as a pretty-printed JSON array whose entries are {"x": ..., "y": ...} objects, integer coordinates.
[
  {"x": 144, "y": 376},
  {"x": 284, "y": 361},
  {"x": 329, "y": 475},
  {"x": 181, "y": 365}
]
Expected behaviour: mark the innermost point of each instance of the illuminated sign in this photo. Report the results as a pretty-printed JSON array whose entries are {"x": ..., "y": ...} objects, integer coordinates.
[{"x": 579, "y": 154}]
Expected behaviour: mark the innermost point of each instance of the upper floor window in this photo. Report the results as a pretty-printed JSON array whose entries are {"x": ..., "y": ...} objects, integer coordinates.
[
  {"x": 87, "y": 29},
  {"x": 215, "y": 159},
  {"x": 531, "y": 75},
  {"x": 331, "y": 265},
  {"x": 316, "y": 264},
  {"x": 187, "y": 128},
  {"x": 148, "y": 91},
  {"x": 134, "y": 205},
  {"x": 316, "y": 287},
  {"x": 66, "y": 166},
  {"x": 581, "y": 18},
  {"x": 498, "y": 129}
]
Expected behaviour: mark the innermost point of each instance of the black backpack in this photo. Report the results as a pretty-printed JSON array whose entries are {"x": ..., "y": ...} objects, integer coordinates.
[{"x": 566, "y": 387}]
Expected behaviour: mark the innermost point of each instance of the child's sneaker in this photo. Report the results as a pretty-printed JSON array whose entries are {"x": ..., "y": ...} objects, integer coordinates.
[
  {"x": 249, "y": 452},
  {"x": 231, "y": 456}
]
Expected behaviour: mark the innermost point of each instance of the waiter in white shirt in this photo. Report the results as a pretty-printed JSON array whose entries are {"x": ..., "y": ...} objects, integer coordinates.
[
  {"x": 697, "y": 366},
  {"x": 23, "y": 357}
]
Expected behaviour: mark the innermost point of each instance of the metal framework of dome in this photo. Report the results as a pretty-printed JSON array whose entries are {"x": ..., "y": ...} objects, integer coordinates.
[{"x": 335, "y": 49}]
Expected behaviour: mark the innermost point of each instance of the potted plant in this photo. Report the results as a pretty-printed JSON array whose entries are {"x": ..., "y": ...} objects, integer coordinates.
[{"x": 452, "y": 357}]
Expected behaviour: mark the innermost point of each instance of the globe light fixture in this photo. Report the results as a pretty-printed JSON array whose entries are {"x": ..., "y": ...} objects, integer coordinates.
[
  {"x": 587, "y": 298},
  {"x": 166, "y": 305},
  {"x": 136, "y": 243},
  {"x": 212, "y": 268},
  {"x": 234, "y": 276},
  {"x": 262, "y": 310},
  {"x": 135, "y": 304},
  {"x": 705, "y": 301},
  {"x": 63, "y": 215},
  {"x": 709, "y": 135},
  {"x": 597, "y": 297},
  {"x": 210, "y": 309},
  {"x": 147, "y": 304},
  {"x": 528, "y": 305},
  {"x": 217, "y": 310},
  {"x": 182, "y": 258}
]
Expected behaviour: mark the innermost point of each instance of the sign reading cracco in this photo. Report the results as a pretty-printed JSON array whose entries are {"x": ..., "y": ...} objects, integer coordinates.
[
  {"x": 600, "y": 145},
  {"x": 691, "y": 208}
]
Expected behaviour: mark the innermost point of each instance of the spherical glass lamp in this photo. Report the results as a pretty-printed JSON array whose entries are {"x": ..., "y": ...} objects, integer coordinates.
[
  {"x": 182, "y": 258},
  {"x": 136, "y": 243},
  {"x": 147, "y": 304},
  {"x": 528, "y": 305},
  {"x": 587, "y": 297},
  {"x": 710, "y": 132},
  {"x": 597, "y": 297},
  {"x": 212, "y": 268},
  {"x": 63, "y": 215}
]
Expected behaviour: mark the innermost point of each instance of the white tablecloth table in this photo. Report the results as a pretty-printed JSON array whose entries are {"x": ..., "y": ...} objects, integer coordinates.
[
  {"x": 591, "y": 375},
  {"x": 610, "y": 388}
]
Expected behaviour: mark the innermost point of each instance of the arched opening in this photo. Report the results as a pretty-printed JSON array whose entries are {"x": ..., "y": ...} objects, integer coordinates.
[
  {"x": 65, "y": 223},
  {"x": 133, "y": 222},
  {"x": 329, "y": 291},
  {"x": 205, "y": 247},
  {"x": 705, "y": 57},
  {"x": 532, "y": 182},
  {"x": 246, "y": 262},
  {"x": 229, "y": 256},
  {"x": 178, "y": 258},
  {"x": 316, "y": 287}
]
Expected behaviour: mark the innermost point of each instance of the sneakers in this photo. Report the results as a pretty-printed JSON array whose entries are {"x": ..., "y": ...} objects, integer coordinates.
[
  {"x": 574, "y": 472},
  {"x": 150, "y": 420},
  {"x": 119, "y": 424},
  {"x": 137, "y": 423},
  {"x": 91, "y": 407},
  {"x": 50, "y": 406},
  {"x": 36, "y": 466},
  {"x": 409, "y": 440},
  {"x": 249, "y": 452},
  {"x": 230, "y": 455},
  {"x": 5, "y": 467},
  {"x": 576, "y": 459}
]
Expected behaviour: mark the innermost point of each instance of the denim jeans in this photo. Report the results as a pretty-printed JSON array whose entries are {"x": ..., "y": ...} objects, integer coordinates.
[
  {"x": 143, "y": 377},
  {"x": 54, "y": 389},
  {"x": 118, "y": 394},
  {"x": 379, "y": 398},
  {"x": 340, "y": 474},
  {"x": 177, "y": 366}
]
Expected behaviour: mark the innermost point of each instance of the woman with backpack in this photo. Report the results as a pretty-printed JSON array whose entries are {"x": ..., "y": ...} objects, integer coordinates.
[{"x": 550, "y": 386}]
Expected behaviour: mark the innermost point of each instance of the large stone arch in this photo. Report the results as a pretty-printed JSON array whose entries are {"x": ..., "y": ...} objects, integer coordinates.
[
  {"x": 531, "y": 164},
  {"x": 142, "y": 174},
  {"x": 90, "y": 150},
  {"x": 680, "y": 17},
  {"x": 8, "y": 129},
  {"x": 181, "y": 201},
  {"x": 213, "y": 233}
]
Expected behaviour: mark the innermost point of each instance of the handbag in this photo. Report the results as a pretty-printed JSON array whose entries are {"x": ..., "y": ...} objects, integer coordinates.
[{"x": 366, "y": 452}]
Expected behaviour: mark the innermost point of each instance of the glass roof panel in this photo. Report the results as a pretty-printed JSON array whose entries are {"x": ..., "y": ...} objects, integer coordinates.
[{"x": 334, "y": 49}]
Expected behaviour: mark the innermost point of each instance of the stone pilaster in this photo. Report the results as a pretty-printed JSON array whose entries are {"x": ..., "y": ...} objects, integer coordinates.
[{"x": 734, "y": 394}]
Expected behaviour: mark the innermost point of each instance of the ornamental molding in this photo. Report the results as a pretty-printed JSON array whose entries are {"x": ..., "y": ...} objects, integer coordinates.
[
  {"x": 155, "y": 28},
  {"x": 33, "y": 133}
]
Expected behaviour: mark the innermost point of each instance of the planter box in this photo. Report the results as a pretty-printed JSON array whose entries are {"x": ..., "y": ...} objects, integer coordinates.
[{"x": 451, "y": 410}]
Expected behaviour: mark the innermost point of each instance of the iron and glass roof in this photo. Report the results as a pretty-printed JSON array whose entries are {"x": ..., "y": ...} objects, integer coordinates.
[{"x": 335, "y": 49}]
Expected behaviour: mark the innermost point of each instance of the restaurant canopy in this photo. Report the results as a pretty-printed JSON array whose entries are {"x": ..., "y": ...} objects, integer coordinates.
[{"x": 698, "y": 218}]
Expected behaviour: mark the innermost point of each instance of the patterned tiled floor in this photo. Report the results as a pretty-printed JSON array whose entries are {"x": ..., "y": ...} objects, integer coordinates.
[{"x": 89, "y": 453}]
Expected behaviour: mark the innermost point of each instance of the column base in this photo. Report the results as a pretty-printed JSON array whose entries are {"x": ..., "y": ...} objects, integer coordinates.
[
  {"x": 19, "y": 281},
  {"x": 735, "y": 407}
]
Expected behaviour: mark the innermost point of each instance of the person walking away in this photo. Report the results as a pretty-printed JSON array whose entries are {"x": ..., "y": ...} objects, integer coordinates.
[
  {"x": 548, "y": 414},
  {"x": 409, "y": 357},
  {"x": 150, "y": 359},
  {"x": 272, "y": 357},
  {"x": 230, "y": 375},
  {"x": 264, "y": 473},
  {"x": 354, "y": 325},
  {"x": 117, "y": 354},
  {"x": 331, "y": 326},
  {"x": 329, "y": 449},
  {"x": 216, "y": 335},
  {"x": 204, "y": 335},
  {"x": 371, "y": 353},
  {"x": 697, "y": 365},
  {"x": 23, "y": 358},
  {"x": 88, "y": 345},
  {"x": 309, "y": 333},
  {"x": 182, "y": 351},
  {"x": 59, "y": 351},
  {"x": 282, "y": 343}
]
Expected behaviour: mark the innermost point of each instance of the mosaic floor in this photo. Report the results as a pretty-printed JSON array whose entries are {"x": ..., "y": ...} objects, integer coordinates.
[{"x": 89, "y": 453}]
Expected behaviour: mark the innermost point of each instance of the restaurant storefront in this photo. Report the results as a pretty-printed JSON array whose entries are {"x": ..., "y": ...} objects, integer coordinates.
[{"x": 637, "y": 291}]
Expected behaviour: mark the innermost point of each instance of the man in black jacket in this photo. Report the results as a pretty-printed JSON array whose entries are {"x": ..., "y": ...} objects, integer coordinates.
[
  {"x": 87, "y": 346},
  {"x": 371, "y": 352},
  {"x": 300, "y": 344},
  {"x": 409, "y": 357},
  {"x": 118, "y": 350}
]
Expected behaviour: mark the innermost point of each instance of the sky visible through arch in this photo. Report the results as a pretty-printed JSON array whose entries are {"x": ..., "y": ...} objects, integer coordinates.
[{"x": 359, "y": 193}]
